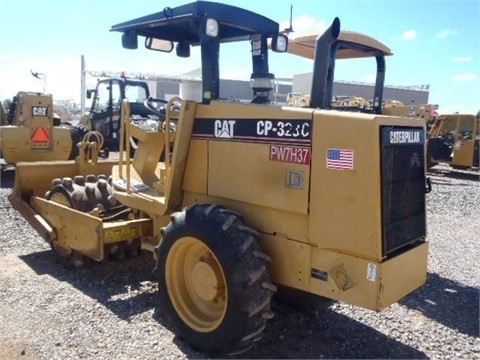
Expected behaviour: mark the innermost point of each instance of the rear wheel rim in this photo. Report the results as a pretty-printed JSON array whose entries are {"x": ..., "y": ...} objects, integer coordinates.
[{"x": 196, "y": 284}]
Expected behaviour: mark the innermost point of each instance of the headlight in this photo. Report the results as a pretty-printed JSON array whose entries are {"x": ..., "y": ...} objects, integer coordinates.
[
  {"x": 211, "y": 28},
  {"x": 261, "y": 83},
  {"x": 279, "y": 43}
]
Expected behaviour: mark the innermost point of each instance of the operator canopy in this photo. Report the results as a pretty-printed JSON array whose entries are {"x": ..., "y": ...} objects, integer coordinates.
[{"x": 208, "y": 24}]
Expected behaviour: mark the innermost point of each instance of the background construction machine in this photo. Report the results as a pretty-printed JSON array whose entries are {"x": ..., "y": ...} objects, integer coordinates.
[
  {"x": 427, "y": 112},
  {"x": 31, "y": 132},
  {"x": 105, "y": 112},
  {"x": 3, "y": 115},
  {"x": 252, "y": 194},
  {"x": 454, "y": 139}
]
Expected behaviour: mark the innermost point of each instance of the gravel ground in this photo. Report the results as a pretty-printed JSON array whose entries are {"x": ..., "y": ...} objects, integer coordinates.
[{"x": 107, "y": 311}]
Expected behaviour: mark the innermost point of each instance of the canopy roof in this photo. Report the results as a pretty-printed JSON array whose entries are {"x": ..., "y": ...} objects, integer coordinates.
[
  {"x": 352, "y": 45},
  {"x": 181, "y": 23}
]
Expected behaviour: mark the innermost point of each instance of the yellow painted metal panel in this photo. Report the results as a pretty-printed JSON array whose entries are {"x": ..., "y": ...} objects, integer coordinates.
[
  {"x": 346, "y": 211},
  {"x": 244, "y": 172},
  {"x": 17, "y": 146},
  {"x": 325, "y": 264},
  {"x": 126, "y": 230},
  {"x": 195, "y": 179},
  {"x": 85, "y": 233},
  {"x": 463, "y": 152},
  {"x": 285, "y": 224},
  {"x": 291, "y": 265},
  {"x": 74, "y": 229},
  {"x": 402, "y": 275},
  {"x": 369, "y": 284}
]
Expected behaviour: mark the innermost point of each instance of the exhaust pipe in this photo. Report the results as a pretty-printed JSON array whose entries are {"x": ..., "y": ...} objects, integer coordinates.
[{"x": 323, "y": 66}]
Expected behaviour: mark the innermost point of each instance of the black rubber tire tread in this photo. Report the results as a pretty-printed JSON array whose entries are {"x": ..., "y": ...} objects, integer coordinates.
[
  {"x": 249, "y": 289},
  {"x": 77, "y": 132}
]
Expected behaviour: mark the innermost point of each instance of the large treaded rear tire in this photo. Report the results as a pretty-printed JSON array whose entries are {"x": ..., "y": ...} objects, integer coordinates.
[{"x": 213, "y": 281}]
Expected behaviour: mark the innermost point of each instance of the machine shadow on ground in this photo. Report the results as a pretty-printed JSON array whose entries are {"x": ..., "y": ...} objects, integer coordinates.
[
  {"x": 117, "y": 285},
  {"x": 447, "y": 172},
  {"x": 308, "y": 334},
  {"x": 447, "y": 302}
]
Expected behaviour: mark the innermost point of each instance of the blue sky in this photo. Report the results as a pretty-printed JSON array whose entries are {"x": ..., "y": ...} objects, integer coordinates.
[{"x": 434, "y": 42}]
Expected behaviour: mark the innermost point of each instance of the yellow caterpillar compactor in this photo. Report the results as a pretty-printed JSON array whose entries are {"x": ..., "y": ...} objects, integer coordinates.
[
  {"x": 249, "y": 195},
  {"x": 30, "y": 132}
]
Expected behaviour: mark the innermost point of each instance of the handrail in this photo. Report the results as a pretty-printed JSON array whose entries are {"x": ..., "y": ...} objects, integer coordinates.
[
  {"x": 90, "y": 149},
  {"x": 124, "y": 144},
  {"x": 168, "y": 111}
]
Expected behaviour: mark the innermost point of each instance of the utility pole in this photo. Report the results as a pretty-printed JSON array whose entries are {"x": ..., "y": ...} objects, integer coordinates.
[{"x": 82, "y": 85}]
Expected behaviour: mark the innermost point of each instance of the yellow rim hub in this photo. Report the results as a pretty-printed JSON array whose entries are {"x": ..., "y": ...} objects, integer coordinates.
[{"x": 196, "y": 284}]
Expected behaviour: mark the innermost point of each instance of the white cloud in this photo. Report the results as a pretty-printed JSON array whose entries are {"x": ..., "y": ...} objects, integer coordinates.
[
  {"x": 462, "y": 59},
  {"x": 442, "y": 34},
  {"x": 409, "y": 35},
  {"x": 464, "y": 77}
]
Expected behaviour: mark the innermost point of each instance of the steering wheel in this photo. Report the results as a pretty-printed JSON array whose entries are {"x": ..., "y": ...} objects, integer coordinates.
[{"x": 157, "y": 106}]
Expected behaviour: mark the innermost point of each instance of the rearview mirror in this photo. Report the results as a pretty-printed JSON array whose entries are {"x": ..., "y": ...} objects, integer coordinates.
[
  {"x": 152, "y": 43},
  {"x": 130, "y": 40},
  {"x": 90, "y": 92}
]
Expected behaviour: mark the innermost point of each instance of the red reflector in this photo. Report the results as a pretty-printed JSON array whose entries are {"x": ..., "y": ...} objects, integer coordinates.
[{"x": 40, "y": 135}]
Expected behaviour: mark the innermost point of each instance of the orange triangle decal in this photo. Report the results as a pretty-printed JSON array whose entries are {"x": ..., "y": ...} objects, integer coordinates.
[{"x": 40, "y": 135}]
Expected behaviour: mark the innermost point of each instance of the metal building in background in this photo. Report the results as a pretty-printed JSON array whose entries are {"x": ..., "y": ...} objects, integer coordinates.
[{"x": 417, "y": 94}]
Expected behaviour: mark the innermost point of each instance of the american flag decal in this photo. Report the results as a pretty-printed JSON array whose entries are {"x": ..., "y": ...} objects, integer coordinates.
[{"x": 340, "y": 159}]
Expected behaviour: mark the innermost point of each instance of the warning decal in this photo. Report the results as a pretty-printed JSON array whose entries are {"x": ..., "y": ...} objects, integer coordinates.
[{"x": 40, "y": 135}]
